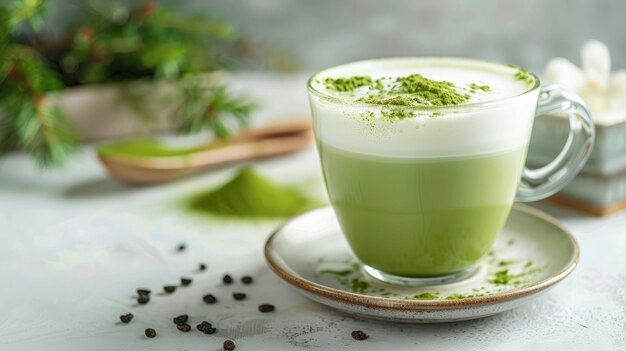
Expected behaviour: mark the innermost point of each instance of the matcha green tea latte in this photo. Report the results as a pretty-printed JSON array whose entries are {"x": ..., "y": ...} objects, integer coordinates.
[
  {"x": 424, "y": 217},
  {"x": 422, "y": 158}
]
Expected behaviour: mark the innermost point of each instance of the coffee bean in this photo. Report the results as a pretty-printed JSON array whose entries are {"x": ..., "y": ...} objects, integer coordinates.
[
  {"x": 206, "y": 328},
  {"x": 185, "y": 281},
  {"x": 169, "y": 288},
  {"x": 229, "y": 345},
  {"x": 125, "y": 318},
  {"x": 209, "y": 298},
  {"x": 239, "y": 296},
  {"x": 143, "y": 299},
  {"x": 247, "y": 280},
  {"x": 151, "y": 333},
  {"x": 183, "y": 318},
  {"x": 143, "y": 292},
  {"x": 181, "y": 247},
  {"x": 266, "y": 308},
  {"x": 203, "y": 325},
  {"x": 359, "y": 335},
  {"x": 201, "y": 267},
  {"x": 227, "y": 279},
  {"x": 184, "y": 327}
]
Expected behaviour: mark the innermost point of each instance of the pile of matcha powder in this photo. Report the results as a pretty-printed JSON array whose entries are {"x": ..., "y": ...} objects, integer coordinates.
[
  {"x": 413, "y": 90},
  {"x": 250, "y": 195}
]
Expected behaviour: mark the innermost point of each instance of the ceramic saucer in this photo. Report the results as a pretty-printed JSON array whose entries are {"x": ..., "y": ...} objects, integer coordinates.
[{"x": 532, "y": 254}]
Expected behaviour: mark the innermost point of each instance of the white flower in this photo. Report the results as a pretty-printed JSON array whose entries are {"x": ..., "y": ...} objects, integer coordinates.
[
  {"x": 601, "y": 90},
  {"x": 596, "y": 63}
]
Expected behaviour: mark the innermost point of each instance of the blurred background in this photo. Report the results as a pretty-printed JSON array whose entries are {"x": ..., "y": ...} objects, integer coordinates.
[
  {"x": 323, "y": 33},
  {"x": 95, "y": 71}
]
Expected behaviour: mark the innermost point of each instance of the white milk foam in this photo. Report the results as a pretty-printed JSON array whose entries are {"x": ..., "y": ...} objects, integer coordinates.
[{"x": 462, "y": 130}]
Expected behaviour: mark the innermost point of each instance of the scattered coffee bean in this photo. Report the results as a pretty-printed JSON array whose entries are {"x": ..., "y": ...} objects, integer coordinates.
[
  {"x": 204, "y": 325},
  {"x": 181, "y": 247},
  {"x": 206, "y": 328},
  {"x": 359, "y": 335},
  {"x": 266, "y": 307},
  {"x": 143, "y": 292},
  {"x": 209, "y": 298},
  {"x": 125, "y": 318},
  {"x": 169, "y": 288},
  {"x": 201, "y": 267},
  {"x": 184, "y": 327},
  {"x": 229, "y": 345},
  {"x": 183, "y": 318},
  {"x": 239, "y": 296},
  {"x": 246, "y": 280},
  {"x": 151, "y": 333},
  {"x": 227, "y": 279},
  {"x": 143, "y": 299},
  {"x": 185, "y": 281}
]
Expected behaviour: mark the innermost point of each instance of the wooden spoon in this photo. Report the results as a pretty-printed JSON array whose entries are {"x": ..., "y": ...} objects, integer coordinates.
[{"x": 279, "y": 138}]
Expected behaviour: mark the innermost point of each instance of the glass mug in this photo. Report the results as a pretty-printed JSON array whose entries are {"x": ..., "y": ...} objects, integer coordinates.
[{"x": 421, "y": 200}]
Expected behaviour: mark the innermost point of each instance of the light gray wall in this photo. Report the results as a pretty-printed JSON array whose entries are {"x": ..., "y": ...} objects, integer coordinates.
[{"x": 322, "y": 33}]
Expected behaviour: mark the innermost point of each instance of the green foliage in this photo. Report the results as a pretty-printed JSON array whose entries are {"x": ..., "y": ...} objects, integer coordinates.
[
  {"x": 27, "y": 119},
  {"x": 16, "y": 13},
  {"x": 145, "y": 43},
  {"x": 204, "y": 107}
]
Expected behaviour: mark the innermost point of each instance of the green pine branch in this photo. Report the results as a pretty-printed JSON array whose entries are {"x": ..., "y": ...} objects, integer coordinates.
[
  {"x": 148, "y": 43},
  {"x": 49, "y": 137},
  {"x": 209, "y": 106},
  {"x": 28, "y": 120}
]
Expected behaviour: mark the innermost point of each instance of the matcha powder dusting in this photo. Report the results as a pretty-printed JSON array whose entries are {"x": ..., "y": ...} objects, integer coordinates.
[
  {"x": 253, "y": 196},
  {"x": 412, "y": 90}
]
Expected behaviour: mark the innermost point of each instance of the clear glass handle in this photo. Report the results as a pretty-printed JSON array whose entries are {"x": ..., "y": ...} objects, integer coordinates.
[{"x": 537, "y": 184}]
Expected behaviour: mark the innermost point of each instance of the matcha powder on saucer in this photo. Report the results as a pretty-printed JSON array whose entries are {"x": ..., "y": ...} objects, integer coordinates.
[{"x": 250, "y": 195}]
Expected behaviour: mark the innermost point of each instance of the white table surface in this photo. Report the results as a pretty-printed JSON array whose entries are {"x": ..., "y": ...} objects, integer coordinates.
[{"x": 75, "y": 245}]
